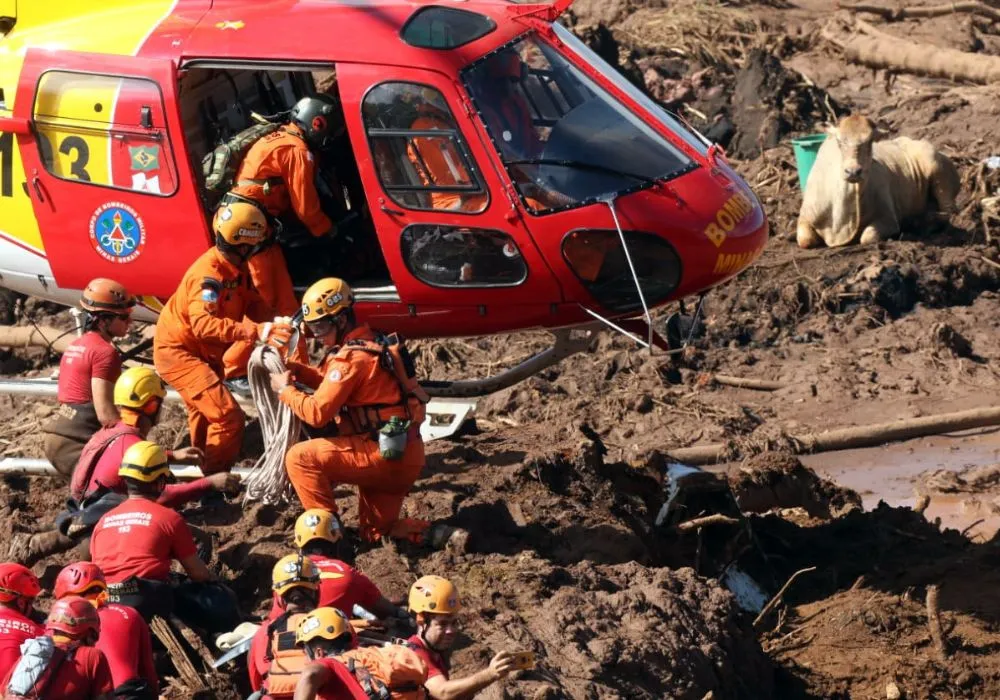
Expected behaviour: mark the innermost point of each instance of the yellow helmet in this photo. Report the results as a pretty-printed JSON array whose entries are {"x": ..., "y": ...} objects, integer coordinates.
[
  {"x": 241, "y": 223},
  {"x": 292, "y": 571},
  {"x": 326, "y": 298},
  {"x": 137, "y": 386},
  {"x": 322, "y": 623},
  {"x": 434, "y": 594},
  {"x": 144, "y": 461},
  {"x": 317, "y": 524}
]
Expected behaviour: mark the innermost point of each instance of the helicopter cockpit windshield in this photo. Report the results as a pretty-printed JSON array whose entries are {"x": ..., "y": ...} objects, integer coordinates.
[{"x": 564, "y": 139}]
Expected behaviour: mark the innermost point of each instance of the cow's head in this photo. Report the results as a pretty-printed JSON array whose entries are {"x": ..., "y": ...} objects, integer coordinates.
[{"x": 855, "y": 135}]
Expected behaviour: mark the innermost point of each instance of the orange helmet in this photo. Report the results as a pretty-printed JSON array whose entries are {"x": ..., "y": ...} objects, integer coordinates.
[
  {"x": 76, "y": 579},
  {"x": 241, "y": 223},
  {"x": 17, "y": 581},
  {"x": 434, "y": 594},
  {"x": 73, "y": 616},
  {"x": 103, "y": 294}
]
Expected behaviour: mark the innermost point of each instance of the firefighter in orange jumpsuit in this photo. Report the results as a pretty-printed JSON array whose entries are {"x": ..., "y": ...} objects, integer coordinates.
[
  {"x": 437, "y": 160},
  {"x": 355, "y": 390},
  {"x": 215, "y": 306},
  {"x": 278, "y": 173}
]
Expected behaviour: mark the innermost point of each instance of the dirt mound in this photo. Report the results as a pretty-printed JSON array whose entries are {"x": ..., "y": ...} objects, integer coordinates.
[
  {"x": 984, "y": 479},
  {"x": 776, "y": 480}
]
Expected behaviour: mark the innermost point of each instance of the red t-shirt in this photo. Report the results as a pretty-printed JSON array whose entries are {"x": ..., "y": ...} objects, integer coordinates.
[
  {"x": 106, "y": 474},
  {"x": 437, "y": 664},
  {"x": 83, "y": 677},
  {"x": 126, "y": 643},
  {"x": 340, "y": 586},
  {"x": 15, "y": 629},
  {"x": 140, "y": 538},
  {"x": 87, "y": 357}
]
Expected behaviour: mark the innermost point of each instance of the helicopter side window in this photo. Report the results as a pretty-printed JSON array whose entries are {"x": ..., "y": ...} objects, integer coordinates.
[
  {"x": 445, "y": 28},
  {"x": 418, "y": 150},
  {"x": 564, "y": 139},
  {"x": 458, "y": 256},
  {"x": 104, "y": 130}
]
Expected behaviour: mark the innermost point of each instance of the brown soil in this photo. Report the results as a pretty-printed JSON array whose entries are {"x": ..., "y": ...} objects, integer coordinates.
[{"x": 564, "y": 558}]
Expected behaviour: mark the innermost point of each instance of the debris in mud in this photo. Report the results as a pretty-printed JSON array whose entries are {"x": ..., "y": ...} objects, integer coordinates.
[
  {"x": 983, "y": 479},
  {"x": 775, "y": 480},
  {"x": 946, "y": 339}
]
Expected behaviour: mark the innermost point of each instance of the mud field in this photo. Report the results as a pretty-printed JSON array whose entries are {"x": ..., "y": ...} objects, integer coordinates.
[{"x": 560, "y": 478}]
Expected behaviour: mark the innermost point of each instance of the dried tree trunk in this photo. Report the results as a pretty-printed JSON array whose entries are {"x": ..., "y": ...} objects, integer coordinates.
[
  {"x": 40, "y": 337},
  {"x": 894, "y": 14},
  {"x": 864, "y": 436},
  {"x": 883, "y": 51}
]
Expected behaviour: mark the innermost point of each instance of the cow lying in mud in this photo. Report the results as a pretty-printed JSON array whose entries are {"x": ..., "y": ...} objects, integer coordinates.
[{"x": 860, "y": 186}]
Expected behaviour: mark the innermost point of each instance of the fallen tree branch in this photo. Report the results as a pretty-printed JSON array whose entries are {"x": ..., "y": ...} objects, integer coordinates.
[
  {"x": 863, "y": 436},
  {"x": 695, "y": 523},
  {"x": 38, "y": 336},
  {"x": 189, "y": 676},
  {"x": 879, "y": 50},
  {"x": 746, "y": 383},
  {"x": 777, "y": 597},
  {"x": 895, "y": 14},
  {"x": 934, "y": 623}
]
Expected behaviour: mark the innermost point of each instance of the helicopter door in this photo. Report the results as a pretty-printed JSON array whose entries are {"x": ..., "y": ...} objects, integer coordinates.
[
  {"x": 107, "y": 171},
  {"x": 445, "y": 225}
]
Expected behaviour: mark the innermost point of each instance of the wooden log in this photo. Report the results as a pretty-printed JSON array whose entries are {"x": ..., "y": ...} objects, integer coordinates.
[
  {"x": 38, "y": 337},
  {"x": 862, "y": 436},
  {"x": 746, "y": 383},
  {"x": 696, "y": 523},
  {"x": 883, "y": 51},
  {"x": 895, "y": 14},
  {"x": 191, "y": 678}
]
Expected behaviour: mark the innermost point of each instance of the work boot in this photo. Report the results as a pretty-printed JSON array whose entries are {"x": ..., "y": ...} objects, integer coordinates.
[
  {"x": 239, "y": 386},
  {"x": 28, "y": 549},
  {"x": 434, "y": 535}
]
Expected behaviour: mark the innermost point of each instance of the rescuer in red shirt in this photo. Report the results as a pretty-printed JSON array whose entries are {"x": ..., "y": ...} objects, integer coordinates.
[
  {"x": 124, "y": 640},
  {"x": 323, "y": 634},
  {"x": 434, "y": 601},
  {"x": 18, "y": 590},
  {"x": 87, "y": 373},
  {"x": 319, "y": 537},
  {"x": 279, "y": 174},
  {"x": 96, "y": 488},
  {"x": 74, "y": 669},
  {"x": 135, "y": 543},
  {"x": 216, "y": 305},
  {"x": 275, "y": 662}
]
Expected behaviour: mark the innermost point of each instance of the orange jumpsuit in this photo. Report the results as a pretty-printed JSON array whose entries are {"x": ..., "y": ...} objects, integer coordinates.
[
  {"x": 209, "y": 311},
  {"x": 348, "y": 379},
  {"x": 438, "y": 162},
  {"x": 282, "y": 155}
]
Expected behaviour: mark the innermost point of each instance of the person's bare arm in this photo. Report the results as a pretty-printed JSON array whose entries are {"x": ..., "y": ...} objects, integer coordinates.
[
  {"x": 196, "y": 569},
  {"x": 466, "y": 688},
  {"x": 103, "y": 392},
  {"x": 312, "y": 679}
]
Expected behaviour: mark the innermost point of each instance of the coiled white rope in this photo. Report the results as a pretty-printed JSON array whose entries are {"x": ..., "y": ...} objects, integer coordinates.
[{"x": 268, "y": 481}]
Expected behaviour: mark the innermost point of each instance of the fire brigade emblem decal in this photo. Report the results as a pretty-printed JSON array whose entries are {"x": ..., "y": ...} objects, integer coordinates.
[{"x": 117, "y": 232}]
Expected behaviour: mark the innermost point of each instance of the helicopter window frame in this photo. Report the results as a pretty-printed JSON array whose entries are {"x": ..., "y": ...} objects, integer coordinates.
[
  {"x": 429, "y": 229},
  {"x": 687, "y": 163},
  {"x": 454, "y": 135},
  {"x": 487, "y": 27},
  {"x": 111, "y": 131}
]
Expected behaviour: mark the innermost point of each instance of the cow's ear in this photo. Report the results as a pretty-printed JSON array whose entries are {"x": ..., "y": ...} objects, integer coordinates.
[{"x": 878, "y": 133}]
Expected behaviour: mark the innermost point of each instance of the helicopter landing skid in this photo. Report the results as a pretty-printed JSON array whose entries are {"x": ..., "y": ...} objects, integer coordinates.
[{"x": 568, "y": 341}]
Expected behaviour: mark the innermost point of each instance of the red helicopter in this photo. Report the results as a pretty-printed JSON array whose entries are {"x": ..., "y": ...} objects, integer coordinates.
[{"x": 572, "y": 199}]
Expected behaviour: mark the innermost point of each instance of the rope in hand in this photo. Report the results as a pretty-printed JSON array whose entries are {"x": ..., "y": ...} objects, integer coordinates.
[{"x": 268, "y": 481}]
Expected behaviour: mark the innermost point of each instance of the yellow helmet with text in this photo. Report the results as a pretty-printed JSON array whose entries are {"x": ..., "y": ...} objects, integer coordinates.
[
  {"x": 293, "y": 571},
  {"x": 322, "y": 623},
  {"x": 326, "y": 299},
  {"x": 241, "y": 223},
  {"x": 434, "y": 594}
]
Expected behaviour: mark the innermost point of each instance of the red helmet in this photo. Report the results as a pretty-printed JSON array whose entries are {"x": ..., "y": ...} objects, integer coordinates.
[
  {"x": 17, "y": 581},
  {"x": 73, "y": 616},
  {"x": 78, "y": 578}
]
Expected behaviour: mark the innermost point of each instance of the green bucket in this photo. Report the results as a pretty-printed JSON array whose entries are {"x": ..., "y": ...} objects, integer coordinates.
[{"x": 805, "y": 150}]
